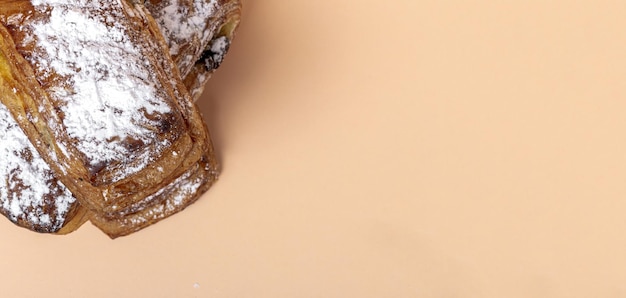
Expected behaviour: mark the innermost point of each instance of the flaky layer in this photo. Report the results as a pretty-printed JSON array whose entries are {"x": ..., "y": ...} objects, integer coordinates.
[
  {"x": 181, "y": 192},
  {"x": 198, "y": 33}
]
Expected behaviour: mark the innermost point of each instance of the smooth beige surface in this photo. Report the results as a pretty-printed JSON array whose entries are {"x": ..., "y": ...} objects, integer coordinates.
[{"x": 408, "y": 149}]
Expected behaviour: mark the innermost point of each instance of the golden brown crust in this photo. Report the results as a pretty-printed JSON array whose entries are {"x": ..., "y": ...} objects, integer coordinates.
[
  {"x": 123, "y": 193},
  {"x": 76, "y": 218},
  {"x": 168, "y": 200}
]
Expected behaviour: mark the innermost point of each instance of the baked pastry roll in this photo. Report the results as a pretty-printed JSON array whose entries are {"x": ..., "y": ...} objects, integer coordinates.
[
  {"x": 198, "y": 33},
  {"x": 122, "y": 131},
  {"x": 31, "y": 196}
]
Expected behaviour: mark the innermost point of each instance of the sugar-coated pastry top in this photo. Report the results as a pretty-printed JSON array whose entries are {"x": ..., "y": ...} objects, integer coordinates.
[
  {"x": 112, "y": 105},
  {"x": 184, "y": 23},
  {"x": 29, "y": 193},
  {"x": 96, "y": 120}
]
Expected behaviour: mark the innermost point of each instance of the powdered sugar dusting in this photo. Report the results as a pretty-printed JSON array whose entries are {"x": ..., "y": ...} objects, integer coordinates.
[
  {"x": 217, "y": 50},
  {"x": 180, "y": 23},
  {"x": 112, "y": 95},
  {"x": 28, "y": 190}
]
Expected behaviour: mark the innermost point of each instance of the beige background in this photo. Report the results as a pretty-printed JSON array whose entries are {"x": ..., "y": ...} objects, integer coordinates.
[{"x": 409, "y": 149}]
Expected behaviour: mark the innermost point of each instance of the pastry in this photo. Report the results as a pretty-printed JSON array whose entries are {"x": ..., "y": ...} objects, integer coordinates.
[
  {"x": 117, "y": 126},
  {"x": 198, "y": 33},
  {"x": 31, "y": 196}
]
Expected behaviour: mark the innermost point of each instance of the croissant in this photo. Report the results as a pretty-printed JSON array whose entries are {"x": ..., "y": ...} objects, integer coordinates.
[{"x": 98, "y": 117}]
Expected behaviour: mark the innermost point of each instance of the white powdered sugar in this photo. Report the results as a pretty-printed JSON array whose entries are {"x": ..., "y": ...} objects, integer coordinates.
[
  {"x": 111, "y": 98},
  {"x": 28, "y": 190},
  {"x": 179, "y": 22},
  {"x": 184, "y": 27},
  {"x": 219, "y": 47}
]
